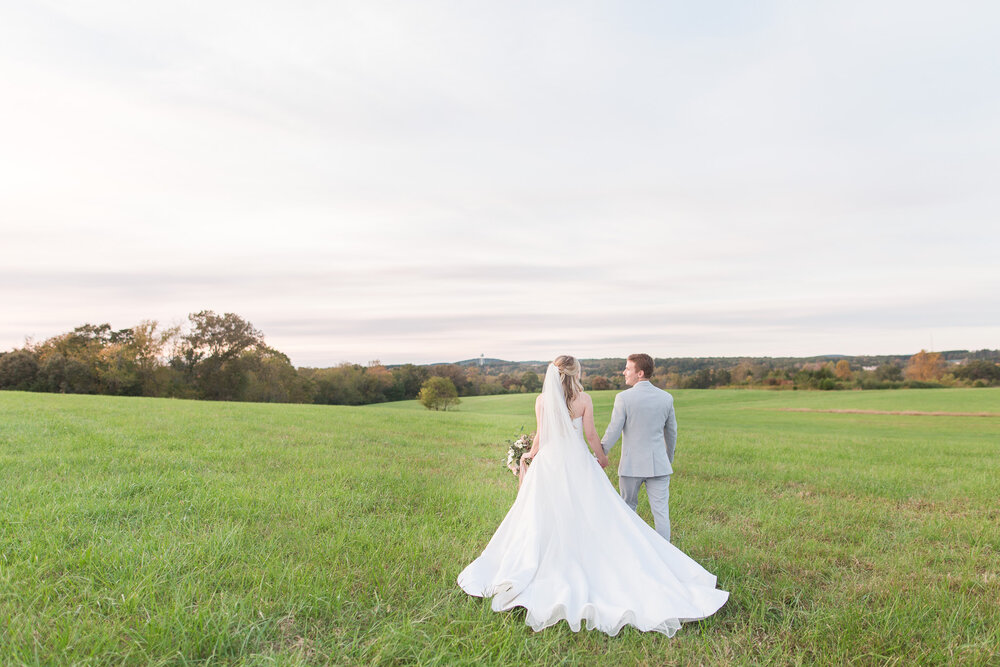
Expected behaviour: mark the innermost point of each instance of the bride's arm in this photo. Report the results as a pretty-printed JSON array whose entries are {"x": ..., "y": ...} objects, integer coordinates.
[
  {"x": 538, "y": 420},
  {"x": 590, "y": 431}
]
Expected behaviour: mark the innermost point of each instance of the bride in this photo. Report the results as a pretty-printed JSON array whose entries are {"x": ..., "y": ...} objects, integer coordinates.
[{"x": 571, "y": 549}]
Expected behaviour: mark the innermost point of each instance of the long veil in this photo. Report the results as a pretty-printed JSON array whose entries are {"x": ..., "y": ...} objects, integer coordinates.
[{"x": 554, "y": 422}]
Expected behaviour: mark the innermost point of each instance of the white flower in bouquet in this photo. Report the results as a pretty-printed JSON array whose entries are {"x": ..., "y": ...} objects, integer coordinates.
[{"x": 518, "y": 448}]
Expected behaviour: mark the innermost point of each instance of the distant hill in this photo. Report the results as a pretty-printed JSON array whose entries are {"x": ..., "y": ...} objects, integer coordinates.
[{"x": 485, "y": 362}]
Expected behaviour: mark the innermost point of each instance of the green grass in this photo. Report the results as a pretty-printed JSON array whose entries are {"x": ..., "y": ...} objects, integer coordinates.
[{"x": 156, "y": 531}]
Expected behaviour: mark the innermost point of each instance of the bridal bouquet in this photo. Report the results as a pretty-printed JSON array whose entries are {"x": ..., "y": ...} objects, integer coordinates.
[{"x": 517, "y": 448}]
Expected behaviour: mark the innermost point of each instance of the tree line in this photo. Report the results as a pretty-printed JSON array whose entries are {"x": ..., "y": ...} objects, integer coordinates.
[
  {"x": 922, "y": 370},
  {"x": 224, "y": 357},
  {"x": 958, "y": 368},
  {"x": 955, "y": 368}
]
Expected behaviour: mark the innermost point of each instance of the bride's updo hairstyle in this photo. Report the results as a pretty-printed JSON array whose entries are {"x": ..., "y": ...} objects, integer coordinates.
[{"x": 569, "y": 373}]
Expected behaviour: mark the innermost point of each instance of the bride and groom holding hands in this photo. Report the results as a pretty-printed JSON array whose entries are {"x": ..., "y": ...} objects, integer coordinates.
[{"x": 573, "y": 549}]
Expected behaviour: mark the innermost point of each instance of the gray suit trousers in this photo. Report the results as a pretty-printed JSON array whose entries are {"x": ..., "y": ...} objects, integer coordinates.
[{"x": 658, "y": 490}]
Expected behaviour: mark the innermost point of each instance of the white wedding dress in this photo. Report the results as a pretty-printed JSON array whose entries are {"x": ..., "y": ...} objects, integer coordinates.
[{"x": 571, "y": 549}]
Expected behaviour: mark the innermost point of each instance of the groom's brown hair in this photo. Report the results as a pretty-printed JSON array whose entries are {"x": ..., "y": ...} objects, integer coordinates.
[{"x": 644, "y": 363}]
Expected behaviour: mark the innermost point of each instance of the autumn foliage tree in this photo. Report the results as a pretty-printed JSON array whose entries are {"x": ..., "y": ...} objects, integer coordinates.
[
  {"x": 925, "y": 367},
  {"x": 599, "y": 383}
]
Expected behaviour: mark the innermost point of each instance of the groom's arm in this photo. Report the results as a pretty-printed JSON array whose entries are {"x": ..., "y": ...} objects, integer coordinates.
[
  {"x": 670, "y": 433},
  {"x": 615, "y": 426}
]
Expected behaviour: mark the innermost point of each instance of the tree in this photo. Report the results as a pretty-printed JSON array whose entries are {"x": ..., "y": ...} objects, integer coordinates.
[
  {"x": 889, "y": 373},
  {"x": 453, "y": 372},
  {"x": 72, "y": 362},
  {"x": 210, "y": 355},
  {"x": 599, "y": 383},
  {"x": 65, "y": 375},
  {"x": 742, "y": 373},
  {"x": 811, "y": 377},
  {"x": 376, "y": 383},
  {"x": 984, "y": 372},
  {"x": 925, "y": 367},
  {"x": 340, "y": 385},
  {"x": 777, "y": 377},
  {"x": 530, "y": 381},
  {"x": 117, "y": 371},
  {"x": 148, "y": 344},
  {"x": 223, "y": 337},
  {"x": 409, "y": 379},
  {"x": 842, "y": 370},
  {"x": 700, "y": 380},
  {"x": 438, "y": 393},
  {"x": 490, "y": 388},
  {"x": 18, "y": 369},
  {"x": 271, "y": 378}
]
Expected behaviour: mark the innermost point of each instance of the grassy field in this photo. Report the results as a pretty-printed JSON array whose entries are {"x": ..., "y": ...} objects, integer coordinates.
[{"x": 155, "y": 531}]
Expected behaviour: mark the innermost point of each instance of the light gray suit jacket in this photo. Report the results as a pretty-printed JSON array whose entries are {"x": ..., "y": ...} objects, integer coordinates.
[{"x": 644, "y": 417}]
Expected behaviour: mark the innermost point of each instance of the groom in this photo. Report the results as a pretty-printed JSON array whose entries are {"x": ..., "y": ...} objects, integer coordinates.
[{"x": 644, "y": 417}]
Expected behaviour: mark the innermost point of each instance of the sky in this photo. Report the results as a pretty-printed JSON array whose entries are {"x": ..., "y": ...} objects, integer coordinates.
[{"x": 432, "y": 181}]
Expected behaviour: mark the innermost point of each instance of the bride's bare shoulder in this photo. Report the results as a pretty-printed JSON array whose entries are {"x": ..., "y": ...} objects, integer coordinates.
[{"x": 580, "y": 404}]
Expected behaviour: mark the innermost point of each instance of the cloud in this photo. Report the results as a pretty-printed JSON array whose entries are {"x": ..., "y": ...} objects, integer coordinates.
[{"x": 418, "y": 180}]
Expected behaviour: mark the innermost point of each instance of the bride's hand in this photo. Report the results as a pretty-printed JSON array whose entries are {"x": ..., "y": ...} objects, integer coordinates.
[{"x": 603, "y": 460}]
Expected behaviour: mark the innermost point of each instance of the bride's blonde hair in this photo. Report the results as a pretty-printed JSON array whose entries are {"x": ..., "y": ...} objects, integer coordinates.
[{"x": 569, "y": 373}]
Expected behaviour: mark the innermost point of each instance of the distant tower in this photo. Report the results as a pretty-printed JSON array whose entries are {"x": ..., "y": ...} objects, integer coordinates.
[{"x": 481, "y": 360}]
